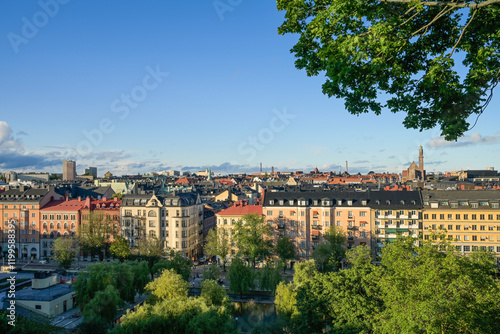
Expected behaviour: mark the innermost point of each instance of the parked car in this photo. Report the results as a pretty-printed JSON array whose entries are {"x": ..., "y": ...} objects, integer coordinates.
[{"x": 43, "y": 261}]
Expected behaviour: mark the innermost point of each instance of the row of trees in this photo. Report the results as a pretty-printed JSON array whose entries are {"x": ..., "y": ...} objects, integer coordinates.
[{"x": 427, "y": 288}]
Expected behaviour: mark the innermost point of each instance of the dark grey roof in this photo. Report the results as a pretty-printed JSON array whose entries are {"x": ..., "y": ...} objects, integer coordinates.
[
  {"x": 374, "y": 199},
  {"x": 21, "y": 195},
  {"x": 461, "y": 195},
  {"x": 46, "y": 294}
]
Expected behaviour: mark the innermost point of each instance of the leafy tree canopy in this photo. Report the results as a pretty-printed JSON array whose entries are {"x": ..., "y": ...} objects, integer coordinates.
[
  {"x": 285, "y": 249},
  {"x": 177, "y": 262},
  {"x": 218, "y": 245},
  {"x": 435, "y": 61},
  {"x": 240, "y": 276},
  {"x": 65, "y": 251},
  {"x": 252, "y": 235},
  {"x": 120, "y": 248}
]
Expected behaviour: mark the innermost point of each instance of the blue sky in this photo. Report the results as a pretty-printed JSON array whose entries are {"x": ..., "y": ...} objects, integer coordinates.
[{"x": 131, "y": 87}]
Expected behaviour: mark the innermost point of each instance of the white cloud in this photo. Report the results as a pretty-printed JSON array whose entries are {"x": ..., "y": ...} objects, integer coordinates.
[{"x": 473, "y": 139}]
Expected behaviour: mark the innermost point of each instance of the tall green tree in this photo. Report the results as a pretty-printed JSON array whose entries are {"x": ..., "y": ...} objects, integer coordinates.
[
  {"x": 331, "y": 251},
  {"x": 120, "y": 248},
  {"x": 65, "y": 251},
  {"x": 285, "y": 249},
  {"x": 241, "y": 277},
  {"x": 435, "y": 61},
  {"x": 270, "y": 276},
  {"x": 149, "y": 249},
  {"x": 95, "y": 232},
  {"x": 252, "y": 236},
  {"x": 169, "y": 285},
  {"x": 104, "y": 305},
  {"x": 218, "y": 245},
  {"x": 211, "y": 272},
  {"x": 214, "y": 294}
]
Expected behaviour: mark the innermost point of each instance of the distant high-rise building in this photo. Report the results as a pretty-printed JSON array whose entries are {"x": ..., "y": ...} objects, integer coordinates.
[
  {"x": 69, "y": 170},
  {"x": 91, "y": 171}
]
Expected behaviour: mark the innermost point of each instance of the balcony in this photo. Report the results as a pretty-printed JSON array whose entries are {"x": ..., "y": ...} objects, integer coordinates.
[
  {"x": 382, "y": 235},
  {"x": 380, "y": 215},
  {"x": 317, "y": 227},
  {"x": 414, "y": 216},
  {"x": 391, "y": 226},
  {"x": 280, "y": 226},
  {"x": 403, "y": 226},
  {"x": 403, "y": 216},
  {"x": 352, "y": 228},
  {"x": 315, "y": 236},
  {"x": 350, "y": 238},
  {"x": 393, "y": 216},
  {"x": 413, "y": 226}
]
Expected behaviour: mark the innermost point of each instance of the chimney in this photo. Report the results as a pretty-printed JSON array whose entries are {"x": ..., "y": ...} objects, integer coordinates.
[
  {"x": 263, "y": 194},
  {"x": 272, "y": 170},
  {"x": 79, "y": 198},
  {"x": 104, "y": 198},
  {"x": 346, "y": 170},
  {"x": 115, "y": 199},
  {"x": 261, "y": 167}
]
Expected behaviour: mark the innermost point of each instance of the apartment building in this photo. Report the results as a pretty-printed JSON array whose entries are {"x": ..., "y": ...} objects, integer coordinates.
[
  {"x": 59, "y": 218},
  {"x": 393, "y": 213},
  {"x": 177, "y": 219},
  {"x": 471, "y": 219},
  {"x": 22, "y": 207}
]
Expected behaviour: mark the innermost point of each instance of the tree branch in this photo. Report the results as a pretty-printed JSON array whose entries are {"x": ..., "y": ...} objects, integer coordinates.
[
  {"x": 474, "y": 5},
  {"x": 463, "y": 31}
]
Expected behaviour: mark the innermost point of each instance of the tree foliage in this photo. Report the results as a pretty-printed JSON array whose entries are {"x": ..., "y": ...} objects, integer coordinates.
[
  {"x": 252, "y": 236},
  {"x": 24, "y": 325},
  {"x": 331, "y": 251},
  {"x": 95, "y": 232},
  {"x": 435, "y": 61},
  {"x": 177, "y": 262},
  {"x": 149, "y": 249},
  {"x": 214, "y": 294},
  {"x": 104, "y": 305},
  {"x": 270, "y": 276},
  {"x": 211, "y": 272},
  {"x": 285, "y": 249},
  {"x": 120, "y": 248},
  {"x": 240, "y": 276},
  {"x": 217, "y": 245},
  {"x": 429, "y": 288},
  {"x": 65, "y": 251},
  {"x": 169, "y": 285}
]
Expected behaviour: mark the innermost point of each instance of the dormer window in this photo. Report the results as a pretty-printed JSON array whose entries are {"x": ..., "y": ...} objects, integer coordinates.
[
  {"x": 363, "y": 202},
  {"x": 271, "y": 201},
  {"x": 282, "y": 202},
  {"x": 339, "y": 202},
  {"x": 290, "y": 201},
  {"x": 402, "y": 201},
  {"x": 349, "y": 202}
]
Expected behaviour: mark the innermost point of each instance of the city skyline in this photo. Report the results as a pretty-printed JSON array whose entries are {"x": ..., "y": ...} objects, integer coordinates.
[{"x": 147, "y": 87}]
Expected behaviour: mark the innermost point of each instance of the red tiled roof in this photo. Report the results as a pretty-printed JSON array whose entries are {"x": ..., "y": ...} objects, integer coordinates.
[
  {"x": 63, "y": 205},
  {"x": 239, "y": 210}
]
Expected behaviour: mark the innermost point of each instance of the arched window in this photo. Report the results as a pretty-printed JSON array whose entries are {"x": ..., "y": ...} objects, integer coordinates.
[
  {"x": 52, "y": 234},
  {"x": 66, "y": 233},
  {"x": 58, "y": 234},
  {"x": 58, "y": 225},
  {"x": 66, "y": 226},
  {"x": 51, "y": 225},
  {"x": 225, "y": 221},
  {"x": 45, "y": 225},
  {"x": 151, "y": 213},
  {"x": 73, "y": 226}
]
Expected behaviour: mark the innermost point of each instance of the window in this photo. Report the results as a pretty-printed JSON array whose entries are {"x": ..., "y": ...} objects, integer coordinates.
[
  {"x": 450, "y": 217},
  {"x": 450, "y": 227},
  {"x": 58, "y": 217},
  {"x": 38, "y": 307},
  {"x": 339, "y": 223},
  {"x": 426, "y": 216},
  {"x": 474, "y": 227},
  {"x": 466, "y": 248},
  {"x": 474, "y": 238},
  {"x": 349, "y": 214},
  {"x": 466, "y": 238},
  {"x": 457, "y": 216},
  {"x": 362, "y": 214},
  {"x": 33, "y": 215},
  {"x": 302, "y": 213},
  {"x": 269, "y": 212},
  {"x": 426, "y": 237},
  {"x": 362, "y": 234},
  {"x": 458, "y": 248},
  {"x": 481, "y": 217},
  {"x": 458, "y": 227},
  {"x": 466, "y": 217},
  {"x": 338, "y": 213},
  {"x": 482, "y": 227},
  {"x": 434, "y": 216},
  {"x": 441, "y": 216},
  {"x": 474, "y": 205},
  {"x": 458, "y": 237},
  {"x": 474, "y": 217},
  {"x": 490, "y": 217}
]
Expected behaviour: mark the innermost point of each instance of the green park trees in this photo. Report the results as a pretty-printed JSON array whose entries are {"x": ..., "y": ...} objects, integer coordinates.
[
  {"x": 435, "y": 61},
  {"x": 95, "y": 232},
  {"x": 428, "y": 288},
  {"x": 285, "y": 249}
]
